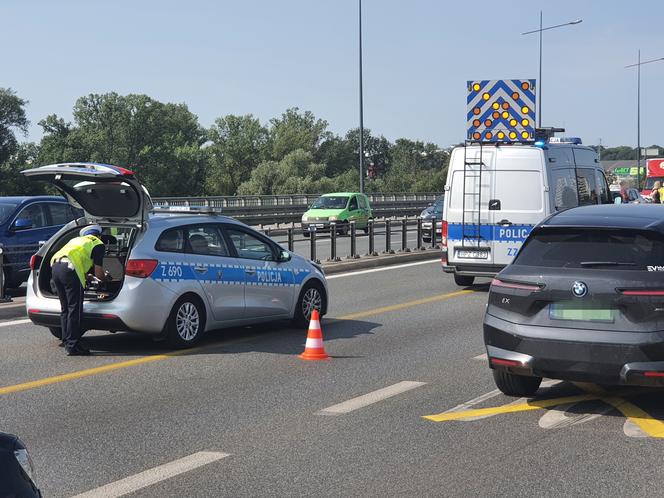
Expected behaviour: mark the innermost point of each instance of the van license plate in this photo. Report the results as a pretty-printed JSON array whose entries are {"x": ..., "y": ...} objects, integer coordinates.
[
  {"x": 472, "y": 254},
  {"x": 319, "y": 225}
]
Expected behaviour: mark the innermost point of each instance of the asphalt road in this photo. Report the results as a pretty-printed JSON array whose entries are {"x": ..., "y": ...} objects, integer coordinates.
[{"x": 243, "y": 416}]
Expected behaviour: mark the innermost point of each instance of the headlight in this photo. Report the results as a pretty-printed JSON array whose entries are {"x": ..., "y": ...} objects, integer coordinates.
[
  {"x": 24, "y": 461},
  {"x": 305, "y": 218},
  {"x": 333, "y": 218}
]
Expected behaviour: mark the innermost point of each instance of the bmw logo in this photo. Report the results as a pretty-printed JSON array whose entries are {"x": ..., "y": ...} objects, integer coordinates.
[{"x": 579, "y": 289}]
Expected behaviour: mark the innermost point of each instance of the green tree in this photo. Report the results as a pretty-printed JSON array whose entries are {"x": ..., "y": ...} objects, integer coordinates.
[
  {"x": 12, "y": 119},
  {"x": 12, "y": 182},
  {"x": 160, "y": 141},
  {"x": 237, "y": 147},
  {"x": 296, "y": 130}
]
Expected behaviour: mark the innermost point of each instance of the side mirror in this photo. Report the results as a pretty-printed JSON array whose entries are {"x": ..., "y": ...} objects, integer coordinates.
[
  {"x": 22, "y": 224},
  {"x": 284, "y": 257}
]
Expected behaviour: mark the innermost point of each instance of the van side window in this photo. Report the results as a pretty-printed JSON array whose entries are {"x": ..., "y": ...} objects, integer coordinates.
[
  {"x": 587, "y": 187},
  {"x": 171, "y": 241},
  {"x": 352, "y": 206},
  {"x": 602, "y": 188},
  {"x": 563, "y": 185}
]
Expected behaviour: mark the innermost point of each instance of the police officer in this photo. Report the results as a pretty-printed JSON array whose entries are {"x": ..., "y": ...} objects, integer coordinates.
[{"x": 70, "y": 268}]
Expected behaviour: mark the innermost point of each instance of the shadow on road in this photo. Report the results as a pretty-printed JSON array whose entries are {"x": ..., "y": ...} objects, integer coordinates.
[{"x": 275, "y": 338}]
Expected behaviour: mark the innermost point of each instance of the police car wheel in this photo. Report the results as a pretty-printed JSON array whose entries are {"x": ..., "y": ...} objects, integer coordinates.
[
  {"x": 312, "y": 297},
  {"x": 516, "y": 385},
  {"x": 56, "y": 331},
  {"x": 186, "y": 322},
  {"x": 463, "y": 280}
]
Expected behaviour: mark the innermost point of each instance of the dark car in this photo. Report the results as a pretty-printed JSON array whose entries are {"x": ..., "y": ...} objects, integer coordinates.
[
  {"x": 435, "y": 211},
  {"x": 16, "y": 471},
  {"x": 582, "y": 301},
  {"x": 25, "y": 222}
]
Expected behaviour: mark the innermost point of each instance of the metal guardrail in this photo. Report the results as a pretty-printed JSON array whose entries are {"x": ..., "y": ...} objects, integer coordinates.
[
  {"x": 271, "y": 209},
  {"x": 384, "y": 230},
  {"x": 8, "y": 261}
]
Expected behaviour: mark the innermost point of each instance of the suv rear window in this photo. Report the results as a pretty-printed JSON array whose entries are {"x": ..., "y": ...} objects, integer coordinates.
[{"x": 587, "y": 248}]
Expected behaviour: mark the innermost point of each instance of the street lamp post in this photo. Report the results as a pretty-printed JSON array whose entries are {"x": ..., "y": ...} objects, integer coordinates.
[
  {"x": 361, "y": 108},
  {"x": 638, "y": 112},
  {"x": 539, "y": 81}
]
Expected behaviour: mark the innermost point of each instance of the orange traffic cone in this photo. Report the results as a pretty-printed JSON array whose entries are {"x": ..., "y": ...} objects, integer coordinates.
[{"x": 313, "y": 349}]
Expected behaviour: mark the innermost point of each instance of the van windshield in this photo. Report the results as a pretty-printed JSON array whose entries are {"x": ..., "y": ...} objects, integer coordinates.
[
  {"x": 6, "y": 210},
  {"x": 330, "y": 203}
]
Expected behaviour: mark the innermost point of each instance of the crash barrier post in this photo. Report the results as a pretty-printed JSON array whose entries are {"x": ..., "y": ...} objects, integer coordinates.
[
  {"x": 353, "y": 241},
  {"x": 312, "y": 242},
  {"x": 404, "y": 235},
  {"x": 291, "y": 241},
  {"x": 388, "y": 236},
  {"x": 434, "y": 227},
  {"x": 419, "y": 234},
  {"x": 372, "y": 249},
  {"x": 333, "y": 242}
]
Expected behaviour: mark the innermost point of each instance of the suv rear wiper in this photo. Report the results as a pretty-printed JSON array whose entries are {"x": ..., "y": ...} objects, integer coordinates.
[{"x": 605, "y": 263}]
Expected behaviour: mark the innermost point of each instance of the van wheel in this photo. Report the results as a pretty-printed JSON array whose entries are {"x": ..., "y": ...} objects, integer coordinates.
[
  {"x": 306, "y": 233},
  {"x": 343, "y": 228},
  {"x": 463, "y": 280},
  {"x": 56, "y": 331},
  {"x": 312, "y": 297},
  {"x": 186, "y": 322},
  {"x": 516, "y": 385}
]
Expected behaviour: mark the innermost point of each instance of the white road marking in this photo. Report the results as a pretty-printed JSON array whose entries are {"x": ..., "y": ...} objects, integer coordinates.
[
  {"x": 557, "y": 418},
  {"x": 385, "y": 268},
  {"x": 152, "y": 476},
  {"x": 632, "y": 430},
  {"x": 15, "y": 322},
  {"x": 481, "y": 357},
  {"x": 370, "y": 398}
]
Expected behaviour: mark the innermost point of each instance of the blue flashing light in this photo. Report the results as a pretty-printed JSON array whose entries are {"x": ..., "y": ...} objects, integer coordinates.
[{"x": 541, "y": 144}]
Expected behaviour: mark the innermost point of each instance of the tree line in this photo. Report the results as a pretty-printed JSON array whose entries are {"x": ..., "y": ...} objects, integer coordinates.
[{"x": 173, "y": 155}]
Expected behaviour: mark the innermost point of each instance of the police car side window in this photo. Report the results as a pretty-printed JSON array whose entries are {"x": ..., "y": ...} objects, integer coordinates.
[
  {"x": 206, "y": 240},
  {"x": 171, "y": 241},
  {"x": 249, "y": 246}
]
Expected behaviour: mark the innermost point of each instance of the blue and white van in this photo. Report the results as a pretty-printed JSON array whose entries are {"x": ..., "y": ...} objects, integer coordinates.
[{"x": 496, "y": 193}]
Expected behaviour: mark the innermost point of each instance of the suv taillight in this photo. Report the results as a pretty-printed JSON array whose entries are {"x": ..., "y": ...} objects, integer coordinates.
[
  {"x": 140, "y": 268},
  {"x": 443, "y": 237},
  {"x": 35, "y": 261}
]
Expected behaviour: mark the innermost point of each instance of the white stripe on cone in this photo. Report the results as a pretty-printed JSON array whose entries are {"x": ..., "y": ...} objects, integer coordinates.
[
  {"x": 314, "y": 325},
  {"x": 314, "y": 344}
]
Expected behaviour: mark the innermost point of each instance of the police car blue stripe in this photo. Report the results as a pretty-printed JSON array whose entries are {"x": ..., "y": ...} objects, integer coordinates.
[{"x": 230, "y": 274}]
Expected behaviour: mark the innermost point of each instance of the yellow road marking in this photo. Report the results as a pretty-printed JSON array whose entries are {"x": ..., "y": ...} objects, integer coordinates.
[
  {"x": 25, "y": 386},
  {"x": 521, "y": 407},
  {"x": 401, "y": 306},
  {"x": 648, "y": 424}
]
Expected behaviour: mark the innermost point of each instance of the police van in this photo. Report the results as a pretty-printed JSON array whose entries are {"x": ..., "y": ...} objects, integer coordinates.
[{"x": 497, "y": 192}]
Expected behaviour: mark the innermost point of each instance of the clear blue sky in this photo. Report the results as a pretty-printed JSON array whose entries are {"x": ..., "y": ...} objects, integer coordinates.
[{"x": 263, "y": 56}]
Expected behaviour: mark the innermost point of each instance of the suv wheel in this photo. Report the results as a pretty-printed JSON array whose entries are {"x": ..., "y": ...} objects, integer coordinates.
[
  {"x": 56, "y": 331},
  {"x": 516, "y": 385},
  {"x": 312, "y": 297},
  {"x": 462, "y": 280},
  {"x": 186, "y": 322}
]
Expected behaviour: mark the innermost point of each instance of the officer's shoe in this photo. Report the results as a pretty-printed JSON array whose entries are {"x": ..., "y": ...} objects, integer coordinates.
[{"x": 79, "y": 350}]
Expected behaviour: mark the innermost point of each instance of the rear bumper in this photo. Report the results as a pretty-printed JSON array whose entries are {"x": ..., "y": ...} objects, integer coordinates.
[
  {"x": 89, "y": 321},
  {"x": 605, "y": 357},
  {"x": 475, "y": 270}
]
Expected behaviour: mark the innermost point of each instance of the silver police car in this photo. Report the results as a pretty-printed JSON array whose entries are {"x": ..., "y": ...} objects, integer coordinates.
[{"x": 175, "y": 274}]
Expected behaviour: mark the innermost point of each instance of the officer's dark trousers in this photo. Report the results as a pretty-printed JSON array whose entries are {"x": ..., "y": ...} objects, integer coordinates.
[{"x": 70, "y": 292}]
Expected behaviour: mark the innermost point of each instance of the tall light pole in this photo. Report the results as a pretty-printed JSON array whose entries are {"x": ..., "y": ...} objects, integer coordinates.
[
  {"x": 361, "y": 110},
  {"x": 539, "y": 81},
  {"x": 638, "y": 112}
]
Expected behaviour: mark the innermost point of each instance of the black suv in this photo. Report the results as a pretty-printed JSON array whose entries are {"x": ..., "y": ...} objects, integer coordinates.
[{"x": 582, "y": 301}]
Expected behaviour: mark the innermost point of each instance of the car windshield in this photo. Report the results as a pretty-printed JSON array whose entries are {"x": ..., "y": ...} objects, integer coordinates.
[
  {"x": 438, "y": 206},
  {"x": 601, "y": 249},
  {"x": 331, "y": 202},
  {"x": 6, "y": 210}
]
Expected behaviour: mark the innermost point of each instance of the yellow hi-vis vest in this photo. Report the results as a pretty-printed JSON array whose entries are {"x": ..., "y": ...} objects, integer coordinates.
[{"x": 79, "y": 252}]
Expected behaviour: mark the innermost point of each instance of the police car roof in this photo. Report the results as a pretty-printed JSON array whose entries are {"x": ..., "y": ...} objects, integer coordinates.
[{"x": 622, "y": 216}]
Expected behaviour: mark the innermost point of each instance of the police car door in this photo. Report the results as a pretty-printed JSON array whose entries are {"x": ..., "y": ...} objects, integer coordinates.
[
  {"x": 518, "y": 199},
  {"x": 217, "y": 271},
  {"x": 269, "y": 284}
]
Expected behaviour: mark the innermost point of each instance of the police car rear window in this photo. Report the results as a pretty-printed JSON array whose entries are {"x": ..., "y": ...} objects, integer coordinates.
[
  {"x": 171, "y": 241},
  {"x": 599, "y": 249}
]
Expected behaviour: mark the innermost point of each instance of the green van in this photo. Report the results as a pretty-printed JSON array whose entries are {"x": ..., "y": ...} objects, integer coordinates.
[{"x": 340, "y": 208}]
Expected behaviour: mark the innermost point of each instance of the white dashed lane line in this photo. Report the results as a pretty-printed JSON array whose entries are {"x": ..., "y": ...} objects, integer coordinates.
[
  {"x": 385, "y": 268},
  {"x": 370, "y": 398},
  {"x": 153, "y": 476},
  {"x": 15, "y": 322}
]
